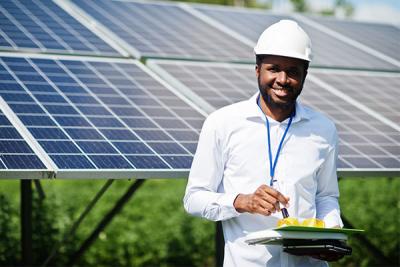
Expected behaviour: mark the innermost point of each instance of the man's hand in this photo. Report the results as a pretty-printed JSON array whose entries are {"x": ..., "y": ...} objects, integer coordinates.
[{"x": 265, "y": 200}]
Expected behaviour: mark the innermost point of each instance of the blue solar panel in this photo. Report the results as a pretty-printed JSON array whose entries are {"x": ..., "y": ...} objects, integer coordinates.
[
  {"x": 381, "y": 37},
  {"x": 164, "y": 30},
  {"x": 15, "y": 153},
  {"x": 366, "y": 143},
  {"x": 44, "y": 26},
  {"x": 85, "y": 118},
  {"x": 328, "y": 51},
  {"x": 374, "y": 90}
]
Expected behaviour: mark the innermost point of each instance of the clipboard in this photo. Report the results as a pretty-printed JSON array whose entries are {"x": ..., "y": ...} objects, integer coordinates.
[
  {"x": 347, "y": 231},
  {"x": 276, "y": 236}
]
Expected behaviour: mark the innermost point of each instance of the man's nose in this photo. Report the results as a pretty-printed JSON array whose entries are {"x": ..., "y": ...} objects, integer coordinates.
[{"x": 282, "y": 78}]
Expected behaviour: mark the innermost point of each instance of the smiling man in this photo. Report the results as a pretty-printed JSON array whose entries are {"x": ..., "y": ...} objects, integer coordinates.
[{"x": 256, "y": 155}]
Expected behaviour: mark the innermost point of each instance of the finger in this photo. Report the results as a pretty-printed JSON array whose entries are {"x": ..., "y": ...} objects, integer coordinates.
[
  {"x": 264, "y": 205},
  {"x": 264, "y": 212},
  {"x": 267, "y": 213},
  {"x": 277, "y": 206},
  {"x": 262, "y": 209},
  {"x": 277, "y": 195},
  {"x": 272, "y": 196},
  {"x": 273, "y": 201}
]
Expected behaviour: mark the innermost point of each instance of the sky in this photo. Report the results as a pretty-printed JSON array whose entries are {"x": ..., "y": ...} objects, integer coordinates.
[{"x": 382, "y": 11}]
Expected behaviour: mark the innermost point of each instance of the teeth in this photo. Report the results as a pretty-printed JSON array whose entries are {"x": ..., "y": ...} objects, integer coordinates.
[{"x": 280, "y": 92}]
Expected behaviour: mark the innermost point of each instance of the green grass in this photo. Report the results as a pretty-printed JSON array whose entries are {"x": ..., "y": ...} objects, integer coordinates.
[{"x": 153, "y": 229}]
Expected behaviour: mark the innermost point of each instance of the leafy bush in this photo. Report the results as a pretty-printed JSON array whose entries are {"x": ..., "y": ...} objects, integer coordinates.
[
  {"x": 372, "y": 204},
  {"x": 153, "y": 230},
  {"x": 9, "y": 246}
]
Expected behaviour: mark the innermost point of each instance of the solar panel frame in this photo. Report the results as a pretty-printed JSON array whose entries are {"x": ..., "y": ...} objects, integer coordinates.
[
  {"x": 377, "y": 136},
  {"x": 45, "y": 27},
  {"x": 175, "y": 133}
]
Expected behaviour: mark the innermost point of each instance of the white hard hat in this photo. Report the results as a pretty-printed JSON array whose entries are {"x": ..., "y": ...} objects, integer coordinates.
[{"x": 284, "y": 38}]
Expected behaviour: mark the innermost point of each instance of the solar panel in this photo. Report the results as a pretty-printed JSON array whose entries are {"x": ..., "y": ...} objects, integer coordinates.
[
  {"x": 328, "y": 51},
  {"x": 43, "y": 26},
  {"x": 93, "y": 114},
  {"x": 381, "y": 37},
  {"x": 376, "y": 90},
  {"x": 164, "y": 30},
  {"x": 367, "y": 144},
  {"x": 15, "y": 153}
]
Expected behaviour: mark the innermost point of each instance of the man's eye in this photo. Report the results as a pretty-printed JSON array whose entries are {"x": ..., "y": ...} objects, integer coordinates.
[{"x": 273, "y": 69}]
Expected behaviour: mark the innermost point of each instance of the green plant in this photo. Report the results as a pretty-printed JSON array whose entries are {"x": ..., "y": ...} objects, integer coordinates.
[{"x": 9, "y": 246}]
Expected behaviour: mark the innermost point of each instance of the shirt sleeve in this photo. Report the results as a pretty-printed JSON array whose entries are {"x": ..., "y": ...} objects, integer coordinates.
[
  {"x": 202, "y": 197},
  {"x": 327, "y": 202}
]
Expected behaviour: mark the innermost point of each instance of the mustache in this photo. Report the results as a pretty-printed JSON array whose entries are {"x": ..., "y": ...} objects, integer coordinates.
[
  {"x": 265, "y": 87},
  {"x": 287, "y": 88}
]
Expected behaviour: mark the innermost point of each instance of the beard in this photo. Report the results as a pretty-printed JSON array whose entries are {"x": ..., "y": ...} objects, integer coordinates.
[{"x": 281, "y": 105}]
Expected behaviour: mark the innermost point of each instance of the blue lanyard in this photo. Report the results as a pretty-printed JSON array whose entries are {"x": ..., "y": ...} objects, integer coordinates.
[{"x": 273, "y": 166}]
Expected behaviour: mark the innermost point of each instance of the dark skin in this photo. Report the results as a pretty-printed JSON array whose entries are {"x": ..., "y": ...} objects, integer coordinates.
[{"x": 280, "y": 80}]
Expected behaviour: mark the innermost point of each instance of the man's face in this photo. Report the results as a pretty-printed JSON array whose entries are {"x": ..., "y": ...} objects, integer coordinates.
[{"x": 280, "y": 80}]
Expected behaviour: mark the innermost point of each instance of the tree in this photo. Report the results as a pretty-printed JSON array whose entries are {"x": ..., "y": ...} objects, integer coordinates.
[
  {"x": 300, "y": 5},
  {"x": 343, "y": 7}
]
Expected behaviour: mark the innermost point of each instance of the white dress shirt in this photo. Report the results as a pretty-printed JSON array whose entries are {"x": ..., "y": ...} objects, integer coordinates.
[{"x": 232, "y": 158}]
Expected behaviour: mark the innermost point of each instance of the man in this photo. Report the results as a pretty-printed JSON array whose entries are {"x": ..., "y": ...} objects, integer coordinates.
[{"x": 256, "y": 155}]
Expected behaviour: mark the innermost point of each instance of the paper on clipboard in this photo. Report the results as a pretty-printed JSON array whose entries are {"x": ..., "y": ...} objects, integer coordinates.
[{"x": 276, "y": 236}]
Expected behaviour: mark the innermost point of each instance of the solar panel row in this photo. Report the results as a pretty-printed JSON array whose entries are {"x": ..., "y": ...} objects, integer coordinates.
[
  {"x": 100, "y": 114},
  {"x": 165, "y": 30},
  {"x": 109, "y": 115},
  {"x": 169, "y": 31},
  {"x": 365, "y": 141},
  {"x": 328, "y": 50},
  {"x": 43, "y": 26},
  {"x": 381, "y": 37}
]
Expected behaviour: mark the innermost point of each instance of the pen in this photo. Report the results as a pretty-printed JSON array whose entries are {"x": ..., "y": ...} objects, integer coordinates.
[{"x": 285, "y": 213}]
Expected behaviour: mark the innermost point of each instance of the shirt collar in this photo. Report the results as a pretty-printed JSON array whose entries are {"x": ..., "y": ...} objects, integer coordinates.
[{"x": 255, "y": 111}]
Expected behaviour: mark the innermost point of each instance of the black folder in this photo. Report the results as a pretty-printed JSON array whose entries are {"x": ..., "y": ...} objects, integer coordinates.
[{"x": 302, "y": 247}]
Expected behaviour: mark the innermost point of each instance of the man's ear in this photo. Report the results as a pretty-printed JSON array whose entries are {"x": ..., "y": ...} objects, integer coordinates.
[{"x": 257, "y": 71}]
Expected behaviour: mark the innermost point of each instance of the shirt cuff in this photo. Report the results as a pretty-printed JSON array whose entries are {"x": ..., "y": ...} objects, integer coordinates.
[
  {"x": 333, "y": 219},
  {"x": 227, "y": 208}
]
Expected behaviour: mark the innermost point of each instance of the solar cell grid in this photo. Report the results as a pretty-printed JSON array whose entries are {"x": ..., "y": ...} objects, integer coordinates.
[
  {"x": 15, "y": 153},
  {"x": 382, "y": 37},
  {"x": 44, "y": 26},
  {"x": 365, "y": 142},
  {"x": 164, "y": 30},
  {"x": 355, "y": 131},
  {"x": 376, "y": 91},
  {"x": 328, "y": 51},
  {"x": 114, "y": 129}
]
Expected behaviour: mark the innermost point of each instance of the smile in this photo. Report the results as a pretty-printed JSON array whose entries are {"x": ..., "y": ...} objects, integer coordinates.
[{"x": 280, "y": 92}]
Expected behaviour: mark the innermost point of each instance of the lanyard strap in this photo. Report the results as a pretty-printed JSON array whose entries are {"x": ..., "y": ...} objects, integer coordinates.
[{"x": 273, "y": 166}]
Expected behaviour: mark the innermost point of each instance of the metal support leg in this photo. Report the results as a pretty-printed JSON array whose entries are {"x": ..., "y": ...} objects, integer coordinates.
[
  {"x": 104, "y": 222},
  {"x": 76, "y": 224},
  {"x": 39, "y": 189},
  {"x": 26, "y": 222},
  {"x": 219, "y": 245}
]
